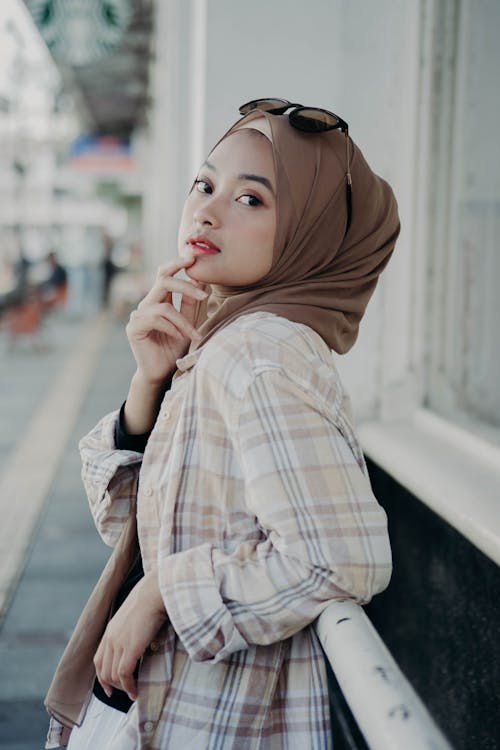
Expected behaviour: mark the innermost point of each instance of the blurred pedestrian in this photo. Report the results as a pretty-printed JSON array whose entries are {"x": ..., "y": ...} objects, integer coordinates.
[
  {"x": 231, "y": 483},
  {"x": 109, "y": 269},
  {"x": 55, "y": 287},
  {"x": 21, "y": 270}
]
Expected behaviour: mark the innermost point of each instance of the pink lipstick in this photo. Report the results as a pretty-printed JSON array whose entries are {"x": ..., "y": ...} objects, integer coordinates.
[{"x": 202, "y": 246}]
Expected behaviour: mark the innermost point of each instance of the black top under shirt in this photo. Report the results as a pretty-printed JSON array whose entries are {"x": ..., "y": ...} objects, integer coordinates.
[{"x": 125, "y": 442}]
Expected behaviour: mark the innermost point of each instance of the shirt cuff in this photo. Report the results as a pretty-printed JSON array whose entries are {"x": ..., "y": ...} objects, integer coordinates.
[
  {"x": 58, "y": 735},
  {"x": 126, "y": 442},
  {"x": 195, "y": 607}
]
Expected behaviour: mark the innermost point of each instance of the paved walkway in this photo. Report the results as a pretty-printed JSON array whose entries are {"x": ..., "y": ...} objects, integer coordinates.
[{"x": 50, "y": 554}]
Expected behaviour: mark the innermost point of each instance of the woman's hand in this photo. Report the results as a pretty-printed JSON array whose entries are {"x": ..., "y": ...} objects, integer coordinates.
[
  {"x": 158, "y": 333},
  {"x": 128, "y": 635}
]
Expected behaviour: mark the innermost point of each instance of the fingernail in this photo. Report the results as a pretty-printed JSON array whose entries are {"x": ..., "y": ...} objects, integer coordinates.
[{"x": 201, "y": 294}]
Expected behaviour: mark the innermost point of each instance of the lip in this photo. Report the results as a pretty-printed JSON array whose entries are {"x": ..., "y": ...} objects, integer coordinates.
[{"x": 202, "y": 246}]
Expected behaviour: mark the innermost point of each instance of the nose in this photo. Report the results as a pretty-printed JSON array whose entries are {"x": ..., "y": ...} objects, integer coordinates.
[{"x": 206, "y": 213}]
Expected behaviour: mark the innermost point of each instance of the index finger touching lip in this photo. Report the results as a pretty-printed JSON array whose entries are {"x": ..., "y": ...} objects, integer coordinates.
[
  {"x": 187, "y": 252},
  {"x": 171, "y": 268},
  {"x": 165, "y": 286}
]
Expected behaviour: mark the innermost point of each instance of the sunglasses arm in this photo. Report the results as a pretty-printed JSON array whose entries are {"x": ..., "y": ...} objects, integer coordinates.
[{"x": 348, "y": 183}]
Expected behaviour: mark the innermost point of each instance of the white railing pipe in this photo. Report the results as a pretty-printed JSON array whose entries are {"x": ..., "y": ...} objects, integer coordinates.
[{"x": 386, "y": 708}]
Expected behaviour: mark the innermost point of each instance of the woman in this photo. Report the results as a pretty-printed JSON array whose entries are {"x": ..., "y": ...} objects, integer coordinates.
[{"x": 234, "y": 459}]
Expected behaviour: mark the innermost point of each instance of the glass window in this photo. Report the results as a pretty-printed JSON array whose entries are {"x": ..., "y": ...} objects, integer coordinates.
[{"x": 464, "y": 304}]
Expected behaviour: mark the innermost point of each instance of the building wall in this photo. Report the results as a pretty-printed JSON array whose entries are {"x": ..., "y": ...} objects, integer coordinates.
[{"x": 269, "y": 49}]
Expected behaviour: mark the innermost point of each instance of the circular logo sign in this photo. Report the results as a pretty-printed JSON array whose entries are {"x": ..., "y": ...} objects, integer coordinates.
[{"x": 81, "y": 32}]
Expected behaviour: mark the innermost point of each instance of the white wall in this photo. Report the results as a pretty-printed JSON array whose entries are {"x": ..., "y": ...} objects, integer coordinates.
[
  {"x": 378, "y": 92},
  {"x": 283, "y": 48}
]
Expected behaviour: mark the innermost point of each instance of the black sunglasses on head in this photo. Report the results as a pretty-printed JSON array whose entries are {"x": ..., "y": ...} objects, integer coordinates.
[{"x": 308, "y": 120}]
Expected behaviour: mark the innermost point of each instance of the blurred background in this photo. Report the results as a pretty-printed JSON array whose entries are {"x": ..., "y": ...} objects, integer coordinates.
[{"x": 107, "y": 108}]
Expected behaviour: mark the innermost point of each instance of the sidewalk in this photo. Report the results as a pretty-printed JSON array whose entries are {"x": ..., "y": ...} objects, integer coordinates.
[{"x": 58, "y": 396}]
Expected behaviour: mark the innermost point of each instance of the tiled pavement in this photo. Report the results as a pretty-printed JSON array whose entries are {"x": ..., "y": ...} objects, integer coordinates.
[{"x": 65, "y": 555}]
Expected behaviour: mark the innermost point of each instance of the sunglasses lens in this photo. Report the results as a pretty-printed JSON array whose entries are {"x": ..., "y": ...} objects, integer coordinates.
[
  {"x": 274, "y": 106},
  {"x": 313, "y": 120}
]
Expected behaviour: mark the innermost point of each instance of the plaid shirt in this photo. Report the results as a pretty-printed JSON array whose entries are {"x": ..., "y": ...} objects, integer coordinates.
[{"x": 253, "y": 503}]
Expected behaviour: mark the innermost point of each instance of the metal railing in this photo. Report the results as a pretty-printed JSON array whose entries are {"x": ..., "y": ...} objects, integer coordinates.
[{"x": 387, "y": 710}]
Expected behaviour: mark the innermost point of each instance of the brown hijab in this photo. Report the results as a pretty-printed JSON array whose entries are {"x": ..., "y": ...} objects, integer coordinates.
[{"x": 320, "y": 276}]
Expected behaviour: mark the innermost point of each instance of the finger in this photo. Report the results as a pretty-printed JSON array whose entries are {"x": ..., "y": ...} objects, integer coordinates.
[
  {"x": 116, "y": 669},
  {"x": 164, "y": 286},
  {"x": 163, "y": 318},
  {"x": 165, "y": 271},
  {"x": 142, "y": 325},
  {"x": 126, "y": 675},
  {"x": 189, "y": 309},
  {"x": 103, "y": 662},
  {"x": 183, "y": 322},
  {"x": 168, "y": 270},
  {"x": 174, "y": 266}
]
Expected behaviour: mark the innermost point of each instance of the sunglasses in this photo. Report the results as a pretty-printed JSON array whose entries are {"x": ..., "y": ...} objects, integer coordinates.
[{"x": 308, "y": 120}]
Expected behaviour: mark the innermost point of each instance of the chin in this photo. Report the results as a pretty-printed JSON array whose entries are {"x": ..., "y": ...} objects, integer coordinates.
[{"x": 196, "y": 273}]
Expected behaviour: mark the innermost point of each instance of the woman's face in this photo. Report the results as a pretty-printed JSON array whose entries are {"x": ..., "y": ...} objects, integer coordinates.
[{"x": 229, "y": 219}]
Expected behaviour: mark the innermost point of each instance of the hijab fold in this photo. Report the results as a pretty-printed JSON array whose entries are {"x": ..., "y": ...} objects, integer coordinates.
[{"x": 320, "y": 276}]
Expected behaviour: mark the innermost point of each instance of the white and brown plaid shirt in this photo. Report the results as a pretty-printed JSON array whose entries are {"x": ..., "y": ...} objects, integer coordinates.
[{"x": 253, "y": 503}]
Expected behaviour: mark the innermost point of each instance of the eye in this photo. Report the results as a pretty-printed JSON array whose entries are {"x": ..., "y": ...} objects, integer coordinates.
[
  {"x": 202, "y": 186},
  {"x": 250, "y": 200}
]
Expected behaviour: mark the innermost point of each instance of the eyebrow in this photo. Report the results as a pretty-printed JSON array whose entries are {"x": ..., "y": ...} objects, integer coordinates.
[{"x": 244, "y": 176}]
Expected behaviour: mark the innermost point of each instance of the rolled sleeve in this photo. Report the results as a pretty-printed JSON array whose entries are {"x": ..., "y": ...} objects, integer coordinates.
[
  {"x": 110, "y": 478},
  {"x": 194, "y": 605}
]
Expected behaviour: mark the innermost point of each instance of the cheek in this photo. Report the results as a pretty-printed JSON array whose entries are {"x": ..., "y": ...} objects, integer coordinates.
[
  {"x": 268, "y": 236},
  {"x": 186, "y": 209},
  {"x": 185, "y": 221},
  {"x": 264, "y": 240},
  {"x": 263, "y": 232}
]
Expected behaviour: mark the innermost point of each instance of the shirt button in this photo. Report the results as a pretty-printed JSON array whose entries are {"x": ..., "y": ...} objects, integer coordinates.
[
  {"x": 165, "y": 414},
  {"x": 149, "y": 726},
  {"x": 154, "y": 646},
  {"x": 148, "y": 491}
]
